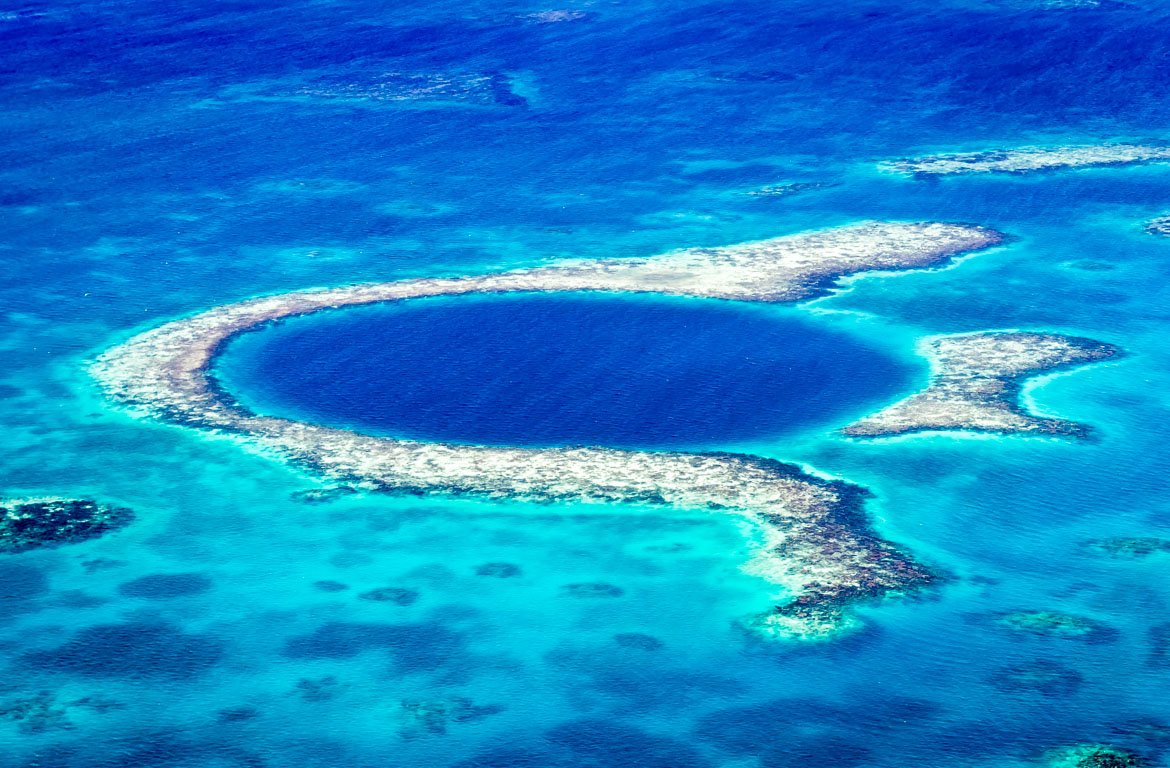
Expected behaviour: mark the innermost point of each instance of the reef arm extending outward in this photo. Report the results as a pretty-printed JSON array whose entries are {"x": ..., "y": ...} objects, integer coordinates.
[
  {"x": 975, "y": 385},
  {"x": 815, "y": 543},
  {"x": 1029, "y": 159}
]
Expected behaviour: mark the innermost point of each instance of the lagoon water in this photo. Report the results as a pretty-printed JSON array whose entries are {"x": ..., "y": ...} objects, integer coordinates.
[{"x": 163, "y": 159}]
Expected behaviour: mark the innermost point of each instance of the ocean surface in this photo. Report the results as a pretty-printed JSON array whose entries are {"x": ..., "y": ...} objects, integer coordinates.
[{"x": 161, "y": 159}]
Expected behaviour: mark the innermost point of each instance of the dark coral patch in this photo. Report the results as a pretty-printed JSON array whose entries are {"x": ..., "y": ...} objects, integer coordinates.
[
  {"x": 760, "y": 729},
  {"x": 413, "y": 647},
  {"x": 1047, "y": 678},
  {"x": 1128, "y": 547},
  {"x": 165, "y": 750},
  {"x": 237, "y": 714},
  {"x": 592, "y": 589},
  {"x": 435, "y": 716},
  {"x": 837, "y": 751},
  {"x": 511, "y": 757},
  {"x": 638, "y": 641},
  {"x": 134, "y": 650},
  {"x": 323, "y": 495},
  {"x": 1053, "y": 624},
  {"x": 1160, "y": 645},
  {"x": 498, "y": 570},
  {"x": 328, "y": 585},
  {"x": 395, "y": 595},
  {"x": 166, "y": 586},
  {"x": 52, "y": 522},
  {"x": 608, "y": 742},
  {"x": 318, "y": 689},
  {"x": 20, "y": 588}
]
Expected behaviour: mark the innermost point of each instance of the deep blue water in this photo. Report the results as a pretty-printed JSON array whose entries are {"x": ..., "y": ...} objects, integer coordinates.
[
  {"x": 157, "y": 159},
  {"x": 562, "y": 370}
]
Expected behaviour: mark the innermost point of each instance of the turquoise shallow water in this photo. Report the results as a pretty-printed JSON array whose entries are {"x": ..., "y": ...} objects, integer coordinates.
[{"x": 160, "y": 160}]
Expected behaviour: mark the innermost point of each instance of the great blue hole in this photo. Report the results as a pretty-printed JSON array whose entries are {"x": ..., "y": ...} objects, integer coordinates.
[{"x": 561, "y": 369}]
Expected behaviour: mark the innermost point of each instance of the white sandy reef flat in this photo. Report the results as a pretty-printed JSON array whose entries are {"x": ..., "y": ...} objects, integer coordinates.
[
  {"x": 818, "y": 548},
  {"x": 1029, "y": 159},
  {"x": 976, "y": 383}
]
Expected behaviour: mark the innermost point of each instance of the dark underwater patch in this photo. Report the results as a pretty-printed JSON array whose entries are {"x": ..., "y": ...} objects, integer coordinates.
[
  {"x": 1045, "y": 677},
  {"x": 395, "y": 595},
  {"x": 498, "y": 570},
  {"x": 758, "y": 729},
  {"x": 131, "y": 651},
  {"x": 20, "y": 588},
  {"x": 413, "y": 647},
  {"x": 638, "y": 641},
  {"x": 21, "y": 582},
  {"x": 52, "y": 522},
  {"x": 169, "y": 751},
  {"x": 837, "y": 751},
  {"x": 613, "y": 743},
  {"x": 592, "y": 589},
  {"x": 166, "y": 586}
]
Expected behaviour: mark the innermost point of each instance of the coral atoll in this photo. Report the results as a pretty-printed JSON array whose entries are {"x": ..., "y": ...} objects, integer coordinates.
[
  {"x": 975, "y": 385},
  {"x": 1030, "y": 159},
  {"x": 814, "y": 542},
  {"x": 31, "y": 523}
]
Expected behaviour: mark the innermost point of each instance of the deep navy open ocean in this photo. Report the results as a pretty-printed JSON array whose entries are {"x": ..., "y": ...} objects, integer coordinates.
[{"x": 158, "y": 159}]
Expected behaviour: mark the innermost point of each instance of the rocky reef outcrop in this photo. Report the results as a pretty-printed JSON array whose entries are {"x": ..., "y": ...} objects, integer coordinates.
[
  {"x": 50, "y": 522},
  {"x": 1030, "y": 159}
]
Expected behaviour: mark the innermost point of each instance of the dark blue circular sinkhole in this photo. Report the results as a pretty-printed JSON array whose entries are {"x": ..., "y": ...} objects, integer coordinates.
[{"x": 561, "y": 369}]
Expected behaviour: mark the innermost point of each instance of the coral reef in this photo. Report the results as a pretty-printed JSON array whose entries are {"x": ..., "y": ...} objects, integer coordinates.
[
  {"x": 788, "y": 190},
  {"x": 395, "y": 595},
  {"x": 435, "y": 716},
  {"x": 1128, "y": 547},
  {"x": 592, "y": 589},
  {"x": 1093, "y": 756},
  {"x": 1029, "y": 159},
  {"x": 42, "y": 712},
  {"x": 1159, "y": 645},
  {"x": 1055, "y": 624},
  {"x": 975, "y": 385},
  {"x": 166, "y": 586},
  {"x": 318, "y": 689},
  {"x": 1159, "y": 226},
  {"x": 31, "y": 523},
  {"x": 498, "y": 570},
  {"x": 1048, "y": 678},
  {"x": 816, "y": 546},
  {"x": 323, "y": 495},
  {"x": 638, "y": 641}
]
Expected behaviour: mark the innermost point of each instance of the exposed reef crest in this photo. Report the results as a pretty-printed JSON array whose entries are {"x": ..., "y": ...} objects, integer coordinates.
[
  {"x": 816, "y": 544},
  {"x": 1029, "y": 159},
  {"x": 975, "y": 385}
]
